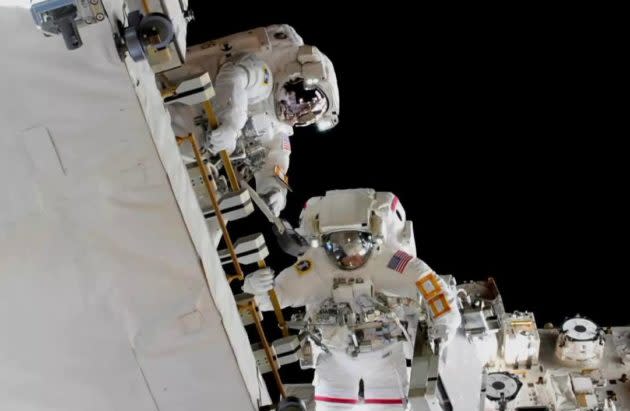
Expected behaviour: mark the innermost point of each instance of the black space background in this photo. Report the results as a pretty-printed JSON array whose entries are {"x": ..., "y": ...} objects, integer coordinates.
[{"x": 501, "y": 131}]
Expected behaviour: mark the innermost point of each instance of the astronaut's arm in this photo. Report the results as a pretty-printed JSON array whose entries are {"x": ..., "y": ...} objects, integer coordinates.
[
  {"x": 275, "y": 166},
  {"x": 231, "y": 104},
  {"x": 286, "y": 286},
  {"x": 439, "y": 301},
  {"x": 411, "y": 277}
]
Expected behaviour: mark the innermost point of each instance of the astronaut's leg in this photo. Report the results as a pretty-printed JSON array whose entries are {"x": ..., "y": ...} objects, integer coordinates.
[
  {"x": 336, "y": 384},
  {"x": 385, "y": 380}
]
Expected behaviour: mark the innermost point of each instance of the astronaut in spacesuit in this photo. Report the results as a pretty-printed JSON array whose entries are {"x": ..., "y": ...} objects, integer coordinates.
[
  {"x": 361, "y": 285},
  {"x": 267, "y": 82}
]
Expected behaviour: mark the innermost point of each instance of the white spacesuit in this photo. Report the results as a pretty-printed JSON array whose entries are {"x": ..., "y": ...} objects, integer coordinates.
[
  {"x": 360, "y": 284},
  {"x": 267, "y": 82}
]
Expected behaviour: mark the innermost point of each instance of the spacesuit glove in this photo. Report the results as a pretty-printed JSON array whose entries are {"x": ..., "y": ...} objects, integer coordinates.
[
  {"x": 276, "y": 199},
  {"x": 258, "y": 282},
  {"x": 223, "y": 138},
  {"x": 441, "y": 333},
  {"x": 445, "y": 327}
]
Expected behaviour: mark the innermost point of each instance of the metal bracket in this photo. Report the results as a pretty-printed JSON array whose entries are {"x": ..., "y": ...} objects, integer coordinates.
[
  {"x": 249, "y": 250},
  {"x": 65, "y": 17},
  {"x": 144, "y": 34},
  {"x": 233, "y": 206},
  {"x": 196, "y": 90}
]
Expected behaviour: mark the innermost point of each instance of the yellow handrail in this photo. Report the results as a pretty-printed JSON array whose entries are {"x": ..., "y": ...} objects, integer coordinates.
[
  {"x": 215, "y": 203},
  {"x": 233, "y": 178}
]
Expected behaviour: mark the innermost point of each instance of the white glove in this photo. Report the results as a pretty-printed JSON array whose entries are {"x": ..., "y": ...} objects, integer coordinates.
[
  {"x": 258, "y": 282},
  {"x": 443, "y": 333},
  {"x": 276, "y": 199},
  {"x": 445, "y": 327},
  {"x": 223, "y": 138}
]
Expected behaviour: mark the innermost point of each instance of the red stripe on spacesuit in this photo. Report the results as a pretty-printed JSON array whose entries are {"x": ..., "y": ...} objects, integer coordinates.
[
  {"x": 394, "y": 203},
  {"x": 337, "y": 400},
  {"x": 384, "y": 401}
]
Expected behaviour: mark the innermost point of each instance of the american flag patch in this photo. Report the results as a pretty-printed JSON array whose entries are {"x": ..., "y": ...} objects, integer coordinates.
[
  {"x": 286, "y": 144},
  {"x": 399, "y": 261}
]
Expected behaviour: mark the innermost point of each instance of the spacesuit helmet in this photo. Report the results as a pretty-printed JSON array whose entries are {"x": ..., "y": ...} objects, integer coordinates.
[
  {"x": 299, "y": 104},
  {"x": 306, "y": 92},
  {"x": 345, "y": 224},
  {"x": 349, "y": 250}
]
